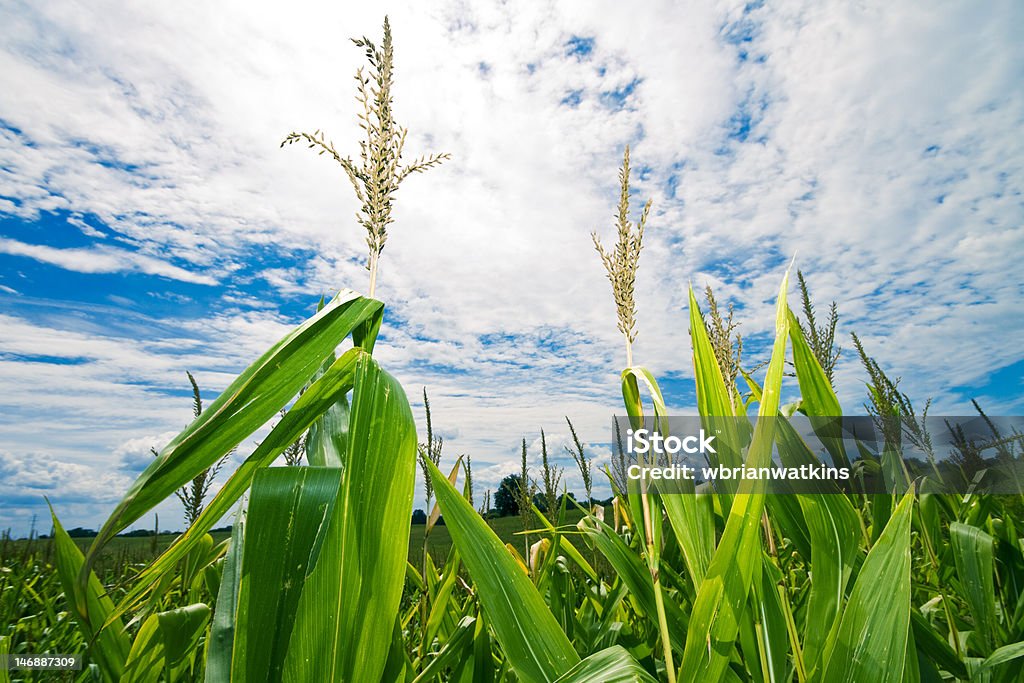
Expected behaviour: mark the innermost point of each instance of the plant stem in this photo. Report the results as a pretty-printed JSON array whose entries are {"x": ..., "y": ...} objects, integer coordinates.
[
  {"x": 374, "y": 257},
  {"x": 652, "y": 563}
]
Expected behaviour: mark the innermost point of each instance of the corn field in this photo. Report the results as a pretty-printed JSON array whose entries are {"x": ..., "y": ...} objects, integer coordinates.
[{"x": 316, "y": 583}]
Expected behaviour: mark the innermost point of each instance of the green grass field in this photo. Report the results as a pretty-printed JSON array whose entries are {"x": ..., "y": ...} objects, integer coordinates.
[{"x": 124, "y": 552}]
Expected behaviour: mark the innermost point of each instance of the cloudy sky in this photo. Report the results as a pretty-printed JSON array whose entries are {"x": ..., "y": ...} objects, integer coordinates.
[{"x": 150, "y": 224}]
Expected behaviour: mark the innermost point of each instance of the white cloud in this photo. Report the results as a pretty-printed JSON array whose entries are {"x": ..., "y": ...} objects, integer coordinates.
[{"x": 101, "y": 260}]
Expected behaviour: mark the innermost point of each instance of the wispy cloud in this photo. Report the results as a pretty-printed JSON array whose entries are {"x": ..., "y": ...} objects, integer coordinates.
[{"x": 102, "y": 260}]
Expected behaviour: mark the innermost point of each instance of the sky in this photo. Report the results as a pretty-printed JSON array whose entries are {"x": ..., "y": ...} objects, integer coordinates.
[{"x": 151, "y": 224}]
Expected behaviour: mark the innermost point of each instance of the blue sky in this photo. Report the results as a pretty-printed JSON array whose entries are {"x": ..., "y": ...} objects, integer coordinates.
[{"x": 149, "y": 223}]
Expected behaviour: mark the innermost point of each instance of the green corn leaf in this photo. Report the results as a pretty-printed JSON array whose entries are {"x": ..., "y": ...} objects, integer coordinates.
[
  {"x": 635, "y": 575},
  {"x": 613, "y": 665},
  {"x": 972, "y": 553},
  {"x": 180, "y": 631},
  {"x": 146, "y": 659},
  {"x": 933, "y": 646},
  {"x": 252, "y": 399},
  {"x": 439, "y": 602},
  {"x": 632, "y": 378},
  {"x": 453, "y": 652},
  {"x": 714, "y": 398},
  {"x": 222, "y": 631},
  {"x": 834, "y": 530},
  {"x": 722, "y": 595},
  {"x": 166, "y": 644},
  {"x": 322, "y": 394},
  {"x": 5, "y": 677},
  {"x": 327, "y": 439},
  {"x": 1003, "y": 655},
  {"x": 692, "y": 517},
  {"x": 833, "y": 527},
  {"x": 289, "y": 508},
  {"x": 398, "y": 667},
  {"x": 109, "y": 647},
  {"x": 345, "y": 620},
  {"x": 818, "y": 399},
  {"x": 770, "y": 622},
  {"x": 535, "y": 646},
  {"x": 872, "y": 640}
]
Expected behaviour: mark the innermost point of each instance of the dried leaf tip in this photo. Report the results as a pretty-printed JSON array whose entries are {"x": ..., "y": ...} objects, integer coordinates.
[{"x": 621, "y": 263}]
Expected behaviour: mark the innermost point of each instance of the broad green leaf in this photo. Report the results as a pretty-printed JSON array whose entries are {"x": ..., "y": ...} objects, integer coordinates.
[
  {"x": 345, "y": 620},
  {"x": 713, "y": 397},
  {"x": 146, "y": 659},
  {"x": 872, "y": 640},
  {"x": 636, "y": 576},
  {"x": 972, "y": 553},
  {"x": 398, "y": 667},
  {"x": 166, "y": 644},
  {"x": 1003, "y": 655},
  {"x": 632, "y": 378},
  {"x": 327, "y": 438},
  {"x": 770, "y": 622},
  {"x": 439, "y": 602},
  {"x": 722, "y": 595},
  {"x": 314, "y": 401},
  {"x": 535, "y": 646},
  {"x": 692, "y": 517},
  {"x": 251, "y": 400},
  {"x": 715, "y": 401},
  {"x": 818, "y": 398},
  {"x": 453, "y": 652},
  {"x": 933, "y": 646},
  {"x": 833, "y": 527},
  {"x": 5, "y": 677},
  {"x": 222, "y": 631},
  {"x": 613, "y": 665},
  {"x": 289, "y": 508},
  {"x": 109, "y": 647},
  {"x": 180, "y": 631}
]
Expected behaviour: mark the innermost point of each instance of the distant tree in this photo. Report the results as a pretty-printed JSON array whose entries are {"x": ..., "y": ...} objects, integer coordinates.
[
  {"x": 506, "y": 499},
  {"x": 419, "y": 517},
  {"x": 568, "y": 503},
  {"x": 79, "y": 532}
]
